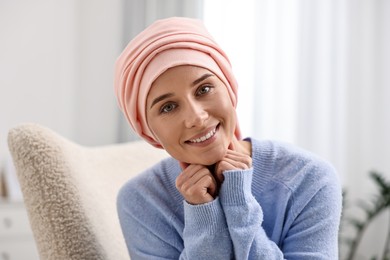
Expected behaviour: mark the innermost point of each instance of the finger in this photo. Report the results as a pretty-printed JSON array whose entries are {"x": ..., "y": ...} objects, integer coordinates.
[
  {"x": 190, "y": 176},
  {"x": 234, "y": 152},
  {"x": 233, "y": 164},
  {"x": 218, "y": 173},
  {"x": 187, "y": 174},
  {"x": 239, "y": 157},
  {"x": 210, "y": 183},
  {"x": 198, "y": 188},
  {"x": 202, "y": 191},
  {"x": 221, "y": 167},
  {"x": 183, "y": 165},
  {"x": 228, "y": 164}
]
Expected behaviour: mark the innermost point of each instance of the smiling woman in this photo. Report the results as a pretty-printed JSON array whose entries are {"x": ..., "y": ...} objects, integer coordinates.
[
  {"x": 219, "y": 196},
  {"x": 197, "y": 106}
]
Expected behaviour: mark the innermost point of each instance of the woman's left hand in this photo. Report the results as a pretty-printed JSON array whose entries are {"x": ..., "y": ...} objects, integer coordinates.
[{"x": 233, "y": 160}]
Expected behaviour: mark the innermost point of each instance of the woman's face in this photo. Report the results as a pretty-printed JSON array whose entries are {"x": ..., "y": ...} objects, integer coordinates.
[{"x": 190, "y": 113}]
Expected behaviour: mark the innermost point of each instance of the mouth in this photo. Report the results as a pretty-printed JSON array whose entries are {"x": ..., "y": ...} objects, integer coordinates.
[{"x": 200, "y": 139}]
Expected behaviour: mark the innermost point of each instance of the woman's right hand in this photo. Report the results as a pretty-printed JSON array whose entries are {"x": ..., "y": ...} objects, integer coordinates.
[{"x": 197, "y": 184}]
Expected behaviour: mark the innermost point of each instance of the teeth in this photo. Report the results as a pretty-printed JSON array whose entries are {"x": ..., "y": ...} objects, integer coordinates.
[{"x": 205, "y": 137}]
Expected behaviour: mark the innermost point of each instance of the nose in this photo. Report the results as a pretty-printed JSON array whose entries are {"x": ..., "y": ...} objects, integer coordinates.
[{"x": 195, "y": 115}]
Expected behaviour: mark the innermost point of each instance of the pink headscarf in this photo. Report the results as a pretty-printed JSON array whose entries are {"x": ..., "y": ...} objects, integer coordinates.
[{"x": 165, "y": 44}]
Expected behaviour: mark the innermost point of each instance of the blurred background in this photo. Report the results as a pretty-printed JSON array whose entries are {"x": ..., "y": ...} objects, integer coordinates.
[{"x": 312, "y": 73}]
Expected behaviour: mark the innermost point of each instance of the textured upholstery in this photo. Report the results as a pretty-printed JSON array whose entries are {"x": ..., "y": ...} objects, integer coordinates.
[{"x": 70, "y": 191}]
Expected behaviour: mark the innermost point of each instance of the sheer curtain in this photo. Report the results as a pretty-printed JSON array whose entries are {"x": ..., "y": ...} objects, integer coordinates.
[
  {"x": 316, "y": 74},
  {"x": 289, "y": 60}
]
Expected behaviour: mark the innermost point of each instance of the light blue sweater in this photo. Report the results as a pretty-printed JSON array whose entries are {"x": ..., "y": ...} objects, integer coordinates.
[{"x": 287, "y": 206}]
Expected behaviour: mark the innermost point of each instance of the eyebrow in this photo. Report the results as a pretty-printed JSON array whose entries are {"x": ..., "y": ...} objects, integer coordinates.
[
  {"x": 168, "y": 95},
  {"x": 205, "y": 76},
  {"x": 160, "y": 98}
]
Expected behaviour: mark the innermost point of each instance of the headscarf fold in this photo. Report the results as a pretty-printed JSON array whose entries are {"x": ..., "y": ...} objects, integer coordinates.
[{"x": 165, "y": 44}]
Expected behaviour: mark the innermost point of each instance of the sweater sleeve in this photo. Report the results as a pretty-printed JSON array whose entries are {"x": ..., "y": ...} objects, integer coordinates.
[
  {"x": 244, "y": 218},
  {"x": 312, "y": 234},
  {"x": 206, "y": 235},
  {"x": 152, "y": 233}
]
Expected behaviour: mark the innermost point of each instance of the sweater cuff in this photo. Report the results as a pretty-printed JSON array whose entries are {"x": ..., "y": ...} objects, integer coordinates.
[
  {"x": 208, "y": 217},
  {"x": 236, "y": 187}
]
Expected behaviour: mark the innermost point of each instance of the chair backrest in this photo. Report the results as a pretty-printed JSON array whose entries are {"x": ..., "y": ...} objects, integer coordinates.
[{"x": 70, "y": 191}]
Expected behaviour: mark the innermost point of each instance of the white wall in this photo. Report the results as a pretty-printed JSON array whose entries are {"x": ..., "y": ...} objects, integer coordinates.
[{"x": 56, "y": 67}]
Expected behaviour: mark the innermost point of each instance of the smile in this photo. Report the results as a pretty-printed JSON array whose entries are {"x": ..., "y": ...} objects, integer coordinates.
[{"x": 205, "y": 137}]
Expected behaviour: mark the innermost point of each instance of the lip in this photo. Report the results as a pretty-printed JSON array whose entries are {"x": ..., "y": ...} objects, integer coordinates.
[{"x": 202, "y": 134}]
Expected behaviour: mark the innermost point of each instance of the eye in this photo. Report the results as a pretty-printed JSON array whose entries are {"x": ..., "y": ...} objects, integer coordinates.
[
  {"x": 167, "y": 108},
  {"x": 203, "y": 90}
]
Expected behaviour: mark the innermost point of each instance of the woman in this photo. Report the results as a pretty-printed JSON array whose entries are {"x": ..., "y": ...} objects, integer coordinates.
[{"x": 219, "y": 196}]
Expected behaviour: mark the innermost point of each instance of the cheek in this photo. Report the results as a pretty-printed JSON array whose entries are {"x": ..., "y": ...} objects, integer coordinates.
[
  {"x": 162, "y": 131},
  {"x": 230, "y": 119},
  {"x": 227, "y": 110},
  {"x": 155, "y": 128}
]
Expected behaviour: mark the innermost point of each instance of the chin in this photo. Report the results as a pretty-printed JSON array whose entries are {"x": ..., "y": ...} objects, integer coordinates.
[
  {"x": 207, "y": 158},
  {"x": 211, "y": 159},
  {"x": 208, "y": 162}
]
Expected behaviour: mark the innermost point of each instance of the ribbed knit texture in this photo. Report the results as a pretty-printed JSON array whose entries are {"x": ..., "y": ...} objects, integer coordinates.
[{"x": 287, "y": 206}]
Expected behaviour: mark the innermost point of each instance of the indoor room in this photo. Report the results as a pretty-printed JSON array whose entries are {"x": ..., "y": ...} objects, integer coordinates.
[{"x": 313, "y": 75}]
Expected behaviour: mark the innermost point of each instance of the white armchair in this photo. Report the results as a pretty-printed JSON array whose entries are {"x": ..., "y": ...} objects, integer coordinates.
[{"x": 70, "y": 191}]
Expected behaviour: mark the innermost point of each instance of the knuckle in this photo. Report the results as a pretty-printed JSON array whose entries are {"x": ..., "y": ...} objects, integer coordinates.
[
  {"x": 247, "y": 161},
  {"x": 191, "y": 192},
  {"x": 178, "y": 183},
  {"x": 185, "y": 188},
  {"x": 209, "y": 179}
]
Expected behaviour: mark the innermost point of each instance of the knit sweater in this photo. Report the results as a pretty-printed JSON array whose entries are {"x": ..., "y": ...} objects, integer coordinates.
[{"x": 287, "y": 206}]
